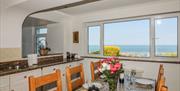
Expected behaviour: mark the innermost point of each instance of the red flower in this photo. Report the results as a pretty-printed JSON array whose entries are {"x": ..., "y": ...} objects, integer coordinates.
[
  {"x": 117, "y": 65},
  {"x": 113, "y": 69}
]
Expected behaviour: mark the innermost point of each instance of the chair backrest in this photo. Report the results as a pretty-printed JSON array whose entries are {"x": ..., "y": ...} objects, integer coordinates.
[
  {"x": 161, "y": 71},
  {"x": 35, "y": 82},
  {"x": 76, "y": 82},
  {"x": 164, "y": 88},
  {"x": 161, "y": 83},
  {"x": 94, "y": 70},
  {"x": 161, "y": 78}
]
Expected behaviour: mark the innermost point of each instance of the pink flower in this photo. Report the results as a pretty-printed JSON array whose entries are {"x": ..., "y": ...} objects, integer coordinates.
[
  {"x": 113, "y": 68},
  {"x": 112, "y": 72},
  {"x": 112, "y": 64},
  {"x": 117, "y": 65}
]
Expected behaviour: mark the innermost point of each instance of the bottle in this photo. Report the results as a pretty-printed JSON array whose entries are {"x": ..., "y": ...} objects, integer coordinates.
[
  {"x": 121, "y": 79},
  {"x": 68, "y": 55}
]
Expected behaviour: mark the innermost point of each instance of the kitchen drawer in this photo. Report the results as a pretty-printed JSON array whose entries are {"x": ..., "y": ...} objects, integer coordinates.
[
  {"x": 6, "y": 88},
  {"x": 71, "y": 64},
  {"x": 50, "y": 69},
  {"x": 4, "y": 81},
  {"x": 19, "y": 81}
]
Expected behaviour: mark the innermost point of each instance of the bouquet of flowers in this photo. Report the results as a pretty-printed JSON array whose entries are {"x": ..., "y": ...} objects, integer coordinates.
[{"x": 110, "y": 69}]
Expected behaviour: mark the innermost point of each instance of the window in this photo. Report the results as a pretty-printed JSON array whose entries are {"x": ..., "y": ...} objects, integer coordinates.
[
  {"x": 131, "y": 38},
  {"x": 42, "y": 31},
  {"x": 166, "y": 37},
  {"x": 94, "y": 40},
  {"x": 152, "y": 37},
  {"x": 41, "y": 34}
]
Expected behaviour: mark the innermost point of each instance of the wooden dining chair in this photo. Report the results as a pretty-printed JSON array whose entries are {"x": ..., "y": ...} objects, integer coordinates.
[
  {"x": 161, "y": 83},
  {"x": 160, "y": 76},
  {"x": 161, "y": 71},
  {"x": 164, "y": 88},
  {"x": 35, "y": 82},
  {"x": 94, "y": 70},
  {"x": 78, "y": 77}
]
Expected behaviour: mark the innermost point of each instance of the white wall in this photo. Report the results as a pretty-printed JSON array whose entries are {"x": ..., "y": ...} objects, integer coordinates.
[
  {"x": 27, "y": 41},
  {"x": 1, "y": 8},
  {"x": 55, "y": 37},
  {"x": 68, "y": 35},
  {"x": 11, "y": 31},
  {"x": 12, "y": 27},
  {"x": 172, "y": 71}
]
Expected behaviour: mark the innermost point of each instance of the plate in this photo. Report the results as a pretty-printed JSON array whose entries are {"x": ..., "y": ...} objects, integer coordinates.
[
  {"x": 144, "y": 81},
  {"x": 97, "y": 84},
  {"x": 87, "y": 85}
]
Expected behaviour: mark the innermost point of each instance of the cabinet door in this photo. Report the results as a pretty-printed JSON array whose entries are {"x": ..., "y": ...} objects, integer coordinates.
[
  {"x": 63, "y": 76},
  {"x": 87, "y": 70},
  {"x": 49, "y": 70},
  {"x": 71, "y": 64},
  {"x": 19, "y": 81},
  {"x": 80, "y": 62},
  {"x": 4, "y": 83}
]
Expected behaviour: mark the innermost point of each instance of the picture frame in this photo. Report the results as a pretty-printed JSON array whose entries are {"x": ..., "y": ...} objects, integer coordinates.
[{"x": 75, "y": 37}]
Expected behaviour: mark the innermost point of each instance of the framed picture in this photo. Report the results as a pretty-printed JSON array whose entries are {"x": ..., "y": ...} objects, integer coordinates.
[{"x": 76, "y": 37}]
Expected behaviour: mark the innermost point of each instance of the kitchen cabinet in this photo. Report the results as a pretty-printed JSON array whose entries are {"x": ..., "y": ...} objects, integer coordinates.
[
  {"x": 4, "y": 83},
  {"x": 19, "y": 81},
  {"x": 71, "y": 64},
  {"x": 63, "y": 76},
  {"x": 62, "y": 68},
  {"x": 51, "y": 69}
]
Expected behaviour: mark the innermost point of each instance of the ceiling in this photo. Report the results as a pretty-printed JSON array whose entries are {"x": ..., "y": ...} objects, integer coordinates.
[
  {"x": 31, "y": 21},
  {"x": 58, "y": 15},
  {"x": 101, "y": 5},
  {"x": 55, "y": 16},
  {"x": 36, "y": 5}
]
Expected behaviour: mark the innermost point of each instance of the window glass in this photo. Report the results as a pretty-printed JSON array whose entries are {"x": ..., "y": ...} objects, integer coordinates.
[
  {"x": 166, "y": 36},
  {"x": 41, "y": 43},
  {"x": 129, "y": 38},
  {"x": 94, "y": 40},
  {"x": 42, "y": 31},
  {"x": 41, "y": 34}
]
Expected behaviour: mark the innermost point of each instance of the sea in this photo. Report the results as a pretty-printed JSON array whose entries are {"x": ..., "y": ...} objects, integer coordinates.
[{"x": 138, "y": 48}]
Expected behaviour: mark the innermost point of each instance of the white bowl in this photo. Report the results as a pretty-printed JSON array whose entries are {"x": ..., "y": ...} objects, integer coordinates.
[
  {"x": 144, "y": 81},
  {"x": 87, "y": 85}
]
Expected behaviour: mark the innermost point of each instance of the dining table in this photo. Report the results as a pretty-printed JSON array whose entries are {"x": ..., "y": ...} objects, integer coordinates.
[{"x": 128, "y": 85}]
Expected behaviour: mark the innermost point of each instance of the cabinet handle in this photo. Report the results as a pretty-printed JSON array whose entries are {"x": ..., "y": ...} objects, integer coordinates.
[
  {"x": 25, "y": 76},
  {"x": 69, "y": 65},
  {"x": 54, "y": 69},
  {"x": 12, "y": 90},
  {"x": 63, "y": 74}
]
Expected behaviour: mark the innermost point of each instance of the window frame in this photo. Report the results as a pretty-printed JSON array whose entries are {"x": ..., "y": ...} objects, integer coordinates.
[
  {"x": 88, "y": 39},
  {"x": 166, "y": 17},
  {"x": 152, "y": 19},
  {"x": 38, "y": 36}
]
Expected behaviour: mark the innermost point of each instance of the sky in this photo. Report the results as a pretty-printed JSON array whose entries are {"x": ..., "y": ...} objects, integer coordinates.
[{"x": 135, "y": 32}]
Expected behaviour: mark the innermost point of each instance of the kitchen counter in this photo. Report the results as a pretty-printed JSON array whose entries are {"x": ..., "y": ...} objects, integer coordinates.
[{"x": 63, "y": 61}]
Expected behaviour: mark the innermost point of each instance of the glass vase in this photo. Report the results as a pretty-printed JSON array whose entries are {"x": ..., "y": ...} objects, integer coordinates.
[{"x": 112, "y": 84}]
